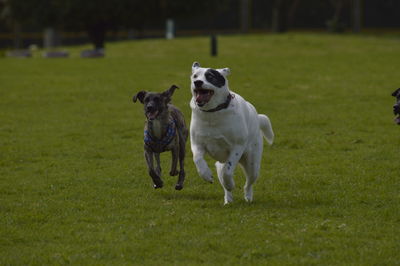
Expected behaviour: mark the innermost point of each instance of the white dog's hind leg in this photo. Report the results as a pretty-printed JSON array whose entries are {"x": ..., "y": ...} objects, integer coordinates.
[
  {"x": 250, "y": 163},
  {"x": 228, "y": 186}
]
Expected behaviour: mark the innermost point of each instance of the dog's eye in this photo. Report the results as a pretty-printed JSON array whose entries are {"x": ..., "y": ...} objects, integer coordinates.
[
  {"x": 195, "y": 76},
  {"x": 146, "y": 100}
]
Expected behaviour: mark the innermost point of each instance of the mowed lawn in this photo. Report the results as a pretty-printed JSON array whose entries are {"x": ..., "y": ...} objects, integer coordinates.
[{"x": 74, "y": 187}]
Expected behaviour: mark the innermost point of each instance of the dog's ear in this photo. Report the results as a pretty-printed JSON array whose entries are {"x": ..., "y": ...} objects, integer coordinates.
[
  {"x": 140, "y": 95},
  {"x": 168, "y": 93},
  {"x": 396, "y": 92},
  {"x": 195, "y": 66},
  {"x": 224, "y": 71}
]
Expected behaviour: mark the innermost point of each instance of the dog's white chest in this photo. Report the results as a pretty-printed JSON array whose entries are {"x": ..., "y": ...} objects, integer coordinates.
[{"x": 217, "y": 147}]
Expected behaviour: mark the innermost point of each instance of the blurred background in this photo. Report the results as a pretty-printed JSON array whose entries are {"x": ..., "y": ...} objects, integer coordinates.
[{"x": 51, "y": 23}]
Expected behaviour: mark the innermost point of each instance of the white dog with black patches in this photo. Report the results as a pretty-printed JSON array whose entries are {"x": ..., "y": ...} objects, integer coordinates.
[{"x": 226, "y": 127}]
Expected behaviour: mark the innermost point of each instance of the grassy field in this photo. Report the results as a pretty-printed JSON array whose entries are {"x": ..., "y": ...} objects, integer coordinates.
[{"x": 74, "y": 187}]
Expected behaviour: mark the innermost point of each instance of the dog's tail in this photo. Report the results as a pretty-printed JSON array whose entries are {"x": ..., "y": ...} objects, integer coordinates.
[{"x": 266, "y": 128}]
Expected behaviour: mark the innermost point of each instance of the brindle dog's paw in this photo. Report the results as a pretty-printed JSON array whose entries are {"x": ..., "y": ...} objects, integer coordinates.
[
  {"x": 158, "y": 185},
  {"x": 178, "y": 186}
]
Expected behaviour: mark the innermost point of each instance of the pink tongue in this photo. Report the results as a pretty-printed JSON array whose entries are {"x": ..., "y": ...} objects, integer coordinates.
[
  {"x": 153, "y": 115},
  {"x": 202, "y": 97}
]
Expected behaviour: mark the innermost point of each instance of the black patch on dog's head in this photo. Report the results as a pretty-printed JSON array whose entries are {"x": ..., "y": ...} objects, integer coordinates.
[{"x": 215, "y": 78}]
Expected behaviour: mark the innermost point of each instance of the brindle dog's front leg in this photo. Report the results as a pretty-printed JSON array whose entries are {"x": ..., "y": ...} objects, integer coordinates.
[
  {"x": 158, "y": 183},
  {"x": 181, "y": 178},
  {"x": 158, "y": 164},
  {"x": 174, "y": 164}
]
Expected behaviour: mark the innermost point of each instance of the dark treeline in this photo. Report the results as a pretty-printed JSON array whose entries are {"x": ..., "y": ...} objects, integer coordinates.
[{"x": 97, "y": 17}]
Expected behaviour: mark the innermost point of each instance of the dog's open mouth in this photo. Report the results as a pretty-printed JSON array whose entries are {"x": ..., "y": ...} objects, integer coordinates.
[
  {"x": 203, "y": 96},
  {"x": 152, "y": 115}
]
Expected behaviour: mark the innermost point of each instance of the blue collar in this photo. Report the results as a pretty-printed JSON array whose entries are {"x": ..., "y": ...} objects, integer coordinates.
[{"x": 160, "y": 143}]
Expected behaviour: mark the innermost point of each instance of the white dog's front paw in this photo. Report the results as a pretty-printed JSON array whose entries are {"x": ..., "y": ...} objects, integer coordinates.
[
  {"x": 228, "y": 197},
  {"x": 207, "y": 176},
  {"x": 248, "y": 198},
  {"x": 248, "y": 194}
]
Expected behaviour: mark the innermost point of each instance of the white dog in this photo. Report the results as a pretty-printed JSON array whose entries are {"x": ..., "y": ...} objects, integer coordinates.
[{"x": 228, "y": 128}]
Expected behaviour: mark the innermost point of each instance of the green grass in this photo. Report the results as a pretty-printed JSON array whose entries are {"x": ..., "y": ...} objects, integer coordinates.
[{"x": 74, "y": 188}]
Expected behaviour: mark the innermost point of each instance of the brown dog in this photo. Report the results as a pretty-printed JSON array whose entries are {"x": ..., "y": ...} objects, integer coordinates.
[{"x": 164, "y": 130}]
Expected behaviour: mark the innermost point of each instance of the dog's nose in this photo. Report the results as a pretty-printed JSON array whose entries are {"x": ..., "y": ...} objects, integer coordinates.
[
  {"x": 198, "y": 83},
  {"x": 150, "y": 108}
]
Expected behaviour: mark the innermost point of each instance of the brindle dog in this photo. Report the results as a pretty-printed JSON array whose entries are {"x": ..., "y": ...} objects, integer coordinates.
[{"x": 165, "y": 130}]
